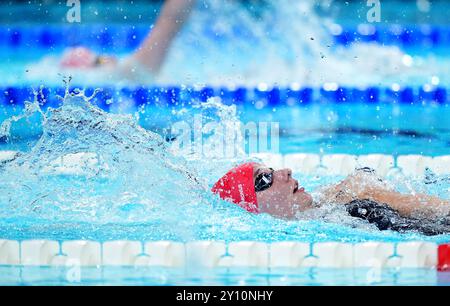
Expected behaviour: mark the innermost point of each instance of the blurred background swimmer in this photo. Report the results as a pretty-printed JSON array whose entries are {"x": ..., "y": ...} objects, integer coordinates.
[{"x": 148, "y": 58}]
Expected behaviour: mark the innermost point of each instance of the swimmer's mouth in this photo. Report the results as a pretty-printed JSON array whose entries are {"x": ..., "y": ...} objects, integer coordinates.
[{"x": 296, "y": 188}]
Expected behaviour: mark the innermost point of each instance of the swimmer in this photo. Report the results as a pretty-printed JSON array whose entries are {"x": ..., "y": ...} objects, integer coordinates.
[
  {"x": 259, "y": 189},
  {"x": 149, "y": 56}
]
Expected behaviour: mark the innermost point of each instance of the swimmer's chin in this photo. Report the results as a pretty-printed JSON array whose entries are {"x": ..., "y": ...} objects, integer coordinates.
[{"x": 304, "y": 202}]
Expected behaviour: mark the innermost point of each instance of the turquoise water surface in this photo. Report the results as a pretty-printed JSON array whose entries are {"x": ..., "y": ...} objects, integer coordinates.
[{"x": 141, "y": 191}]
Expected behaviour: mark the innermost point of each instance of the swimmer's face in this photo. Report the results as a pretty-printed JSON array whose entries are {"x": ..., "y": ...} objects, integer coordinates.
[{"x": 285, "y": 197}]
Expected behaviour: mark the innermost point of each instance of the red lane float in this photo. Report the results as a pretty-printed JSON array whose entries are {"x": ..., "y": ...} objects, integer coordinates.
[{"x": 444, "y": 257}]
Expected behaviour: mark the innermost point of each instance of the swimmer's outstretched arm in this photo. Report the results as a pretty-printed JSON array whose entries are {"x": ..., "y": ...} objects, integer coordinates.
[
  {"x": 153, "y": 50},
  {"x": 410, "y": 205},
  {"x": 359, "y": 186},
  {"x": 149, "y": 57}
]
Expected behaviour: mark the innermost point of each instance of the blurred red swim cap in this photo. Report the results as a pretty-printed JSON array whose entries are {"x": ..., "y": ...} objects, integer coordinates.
[
  {"x": 238, "y": 186},
  {"x": 78, "y": 57}
]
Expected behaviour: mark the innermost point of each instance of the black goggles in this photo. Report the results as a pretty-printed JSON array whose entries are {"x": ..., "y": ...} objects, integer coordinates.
[{"x": 263, "y": 181}]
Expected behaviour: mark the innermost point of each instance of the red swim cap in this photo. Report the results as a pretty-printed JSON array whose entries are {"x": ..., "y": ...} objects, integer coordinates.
[{"x": 238, "y": 186}]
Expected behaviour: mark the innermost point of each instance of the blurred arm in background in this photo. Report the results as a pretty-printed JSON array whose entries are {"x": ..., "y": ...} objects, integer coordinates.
[
  {"x": 150, "y": 55},
  {"x": 155, "y": 47}
]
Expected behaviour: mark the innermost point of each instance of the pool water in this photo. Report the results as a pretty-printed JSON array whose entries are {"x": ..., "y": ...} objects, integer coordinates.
[
  {"x": 234, "y": 51},
  {"x": 40, "y": 202},
  {"x": 320, "y": 127}
]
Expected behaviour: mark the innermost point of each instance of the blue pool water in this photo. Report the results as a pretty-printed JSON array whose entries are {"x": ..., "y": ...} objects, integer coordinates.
[
  {"x": 320, "y": 127},
  {"x": 236, "y": 51},
  {"x": 102, "y": 204}
]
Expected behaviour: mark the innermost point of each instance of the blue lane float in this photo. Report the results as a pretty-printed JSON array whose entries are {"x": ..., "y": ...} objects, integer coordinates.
[
  {"x": 119, "y": 38},
  {"x": 113, "y": 38},
  {"x": 173, "y": 96},
  {"x": 416, "y": 35}
]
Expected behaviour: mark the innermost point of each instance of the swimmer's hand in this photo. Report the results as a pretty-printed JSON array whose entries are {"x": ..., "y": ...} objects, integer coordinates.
[
  {"x": 84, "y": 58},
  {"x": 124, "y": 69}
]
